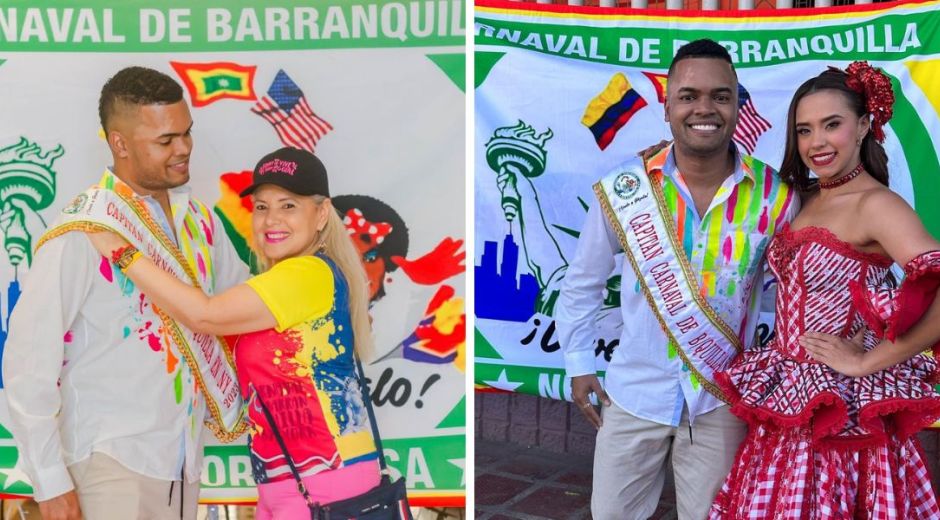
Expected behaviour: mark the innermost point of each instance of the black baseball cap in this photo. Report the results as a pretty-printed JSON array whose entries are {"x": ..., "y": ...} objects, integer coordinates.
[{"x": 297, "y": 171}]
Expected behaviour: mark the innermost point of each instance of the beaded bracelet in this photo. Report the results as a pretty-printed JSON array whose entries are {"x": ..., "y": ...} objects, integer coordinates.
[
  {"x": 119, "y": 252},
  {"x": 123, "y": 257}
]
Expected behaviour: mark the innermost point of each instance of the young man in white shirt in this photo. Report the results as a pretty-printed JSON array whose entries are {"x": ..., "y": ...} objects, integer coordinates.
[
  {"x": 107, "y": 399},
  {"x": 693, "y": 220}
]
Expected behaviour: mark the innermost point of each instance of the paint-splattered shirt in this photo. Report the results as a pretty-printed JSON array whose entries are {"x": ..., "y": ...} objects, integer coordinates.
[
  {"x": 305, "y": 373},
  {"x": 88, "y": 366},
  {"x": 725, "y": 246}
]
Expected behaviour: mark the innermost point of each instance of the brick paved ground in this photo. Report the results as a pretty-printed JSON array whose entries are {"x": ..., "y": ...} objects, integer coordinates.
[
  {"x": 514, "y": 482},
  {"x": 533, "y": 460}
]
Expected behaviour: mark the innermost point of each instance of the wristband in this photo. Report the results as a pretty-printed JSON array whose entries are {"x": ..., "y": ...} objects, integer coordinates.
[{"x": 135, "y": 256}]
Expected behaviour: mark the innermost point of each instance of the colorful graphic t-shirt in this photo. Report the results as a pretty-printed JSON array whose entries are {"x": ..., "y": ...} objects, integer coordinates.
[{"x": 305, "y": 372}]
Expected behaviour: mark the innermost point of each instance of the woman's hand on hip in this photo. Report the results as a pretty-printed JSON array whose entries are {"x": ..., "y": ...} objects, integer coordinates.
[{"x": 842, "y": 355}]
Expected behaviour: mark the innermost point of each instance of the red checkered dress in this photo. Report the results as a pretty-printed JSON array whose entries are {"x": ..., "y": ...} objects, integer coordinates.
[{"x": 822, "y": 445}]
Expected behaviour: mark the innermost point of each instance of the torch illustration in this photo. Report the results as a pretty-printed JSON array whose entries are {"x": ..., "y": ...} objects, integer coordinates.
[
  {"x": 512, "y": 151},
  {"x": 517, "y": 154},
  {"x": 27, "y": 183}
]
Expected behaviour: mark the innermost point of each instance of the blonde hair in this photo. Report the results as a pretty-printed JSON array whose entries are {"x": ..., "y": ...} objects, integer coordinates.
[{"x": 339, "y": 247}]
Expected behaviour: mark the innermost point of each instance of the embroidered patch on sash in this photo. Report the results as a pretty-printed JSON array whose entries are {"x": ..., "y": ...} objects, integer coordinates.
[
  {"x": 76, "y": 205},
  {"x": 626, "y": 184}
]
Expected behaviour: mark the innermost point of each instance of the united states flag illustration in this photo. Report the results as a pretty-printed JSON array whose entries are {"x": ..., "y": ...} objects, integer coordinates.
[
  {"x": 750, "y": 123},
  {"x": 286, "y": 108}
]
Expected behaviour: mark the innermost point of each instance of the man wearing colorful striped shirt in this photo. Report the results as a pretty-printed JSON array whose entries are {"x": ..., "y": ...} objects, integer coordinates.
[{"x": 693, "y": 220}]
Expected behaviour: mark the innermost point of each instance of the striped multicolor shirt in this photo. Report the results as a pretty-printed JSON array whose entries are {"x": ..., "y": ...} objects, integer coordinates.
[{"x": 645, "y": 376}]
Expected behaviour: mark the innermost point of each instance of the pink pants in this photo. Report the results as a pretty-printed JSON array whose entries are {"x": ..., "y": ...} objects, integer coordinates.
[{"x": 282, "y": 501}]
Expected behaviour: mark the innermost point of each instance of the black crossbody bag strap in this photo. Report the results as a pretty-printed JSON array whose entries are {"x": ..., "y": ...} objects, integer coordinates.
[{"x": 367, "y": 396}]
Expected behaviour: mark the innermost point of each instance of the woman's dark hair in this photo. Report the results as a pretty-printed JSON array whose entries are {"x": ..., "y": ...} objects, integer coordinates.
[{"x": 793, "y": 171}]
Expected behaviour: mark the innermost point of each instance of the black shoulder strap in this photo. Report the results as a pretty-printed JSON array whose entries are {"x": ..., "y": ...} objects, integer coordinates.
[{"x": 366, "y": 395}]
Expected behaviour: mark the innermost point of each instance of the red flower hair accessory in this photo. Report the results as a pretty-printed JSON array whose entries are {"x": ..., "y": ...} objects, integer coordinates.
[{"x": 875, "y": 87}]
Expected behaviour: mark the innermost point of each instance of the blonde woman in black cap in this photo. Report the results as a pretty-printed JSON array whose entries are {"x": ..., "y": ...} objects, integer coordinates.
[{"x": 298, "y": 325}]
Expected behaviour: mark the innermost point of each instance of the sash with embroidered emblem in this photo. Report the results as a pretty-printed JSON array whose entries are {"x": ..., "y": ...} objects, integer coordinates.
[
  {"x": 636, "y": 209},
  {"x": 111, "y": 206}
]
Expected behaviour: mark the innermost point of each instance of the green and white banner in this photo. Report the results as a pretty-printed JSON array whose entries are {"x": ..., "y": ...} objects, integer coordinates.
[
  {"x": 564, "y": 94},
  {"x": 375, "y": 88}
]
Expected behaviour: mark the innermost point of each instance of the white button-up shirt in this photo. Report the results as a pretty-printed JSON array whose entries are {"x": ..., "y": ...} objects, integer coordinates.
[
  {"x": 83, "y": 374},
  {"x": 645, "y": 375}
]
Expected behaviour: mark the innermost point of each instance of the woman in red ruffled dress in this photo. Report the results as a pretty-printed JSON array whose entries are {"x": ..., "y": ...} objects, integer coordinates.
[{"x": 834, "y": 401}]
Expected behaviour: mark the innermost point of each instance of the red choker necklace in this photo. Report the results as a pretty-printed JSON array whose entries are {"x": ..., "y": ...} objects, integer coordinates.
[{"x": 828, "y": 185}]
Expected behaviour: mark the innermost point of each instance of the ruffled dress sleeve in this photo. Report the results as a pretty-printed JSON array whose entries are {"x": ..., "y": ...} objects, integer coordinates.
[{"x": 891, "y": 311}]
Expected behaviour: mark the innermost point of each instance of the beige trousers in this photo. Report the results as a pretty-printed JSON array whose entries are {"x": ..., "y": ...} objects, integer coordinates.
[
  {"x": 630, "y": 463},
  {"x": 107, "y": 490}
]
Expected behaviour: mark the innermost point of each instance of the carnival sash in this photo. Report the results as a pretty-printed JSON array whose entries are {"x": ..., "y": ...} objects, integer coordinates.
[
  {"x": 635, "y": 206},
  {"x": 107, "y": 207}
]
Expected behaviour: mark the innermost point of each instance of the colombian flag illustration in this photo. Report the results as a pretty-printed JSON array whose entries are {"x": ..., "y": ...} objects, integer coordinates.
[{"x": 606, "y": 114}]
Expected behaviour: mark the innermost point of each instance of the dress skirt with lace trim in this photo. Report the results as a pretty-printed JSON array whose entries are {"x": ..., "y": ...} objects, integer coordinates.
[{"x": 823, "y": 445}]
